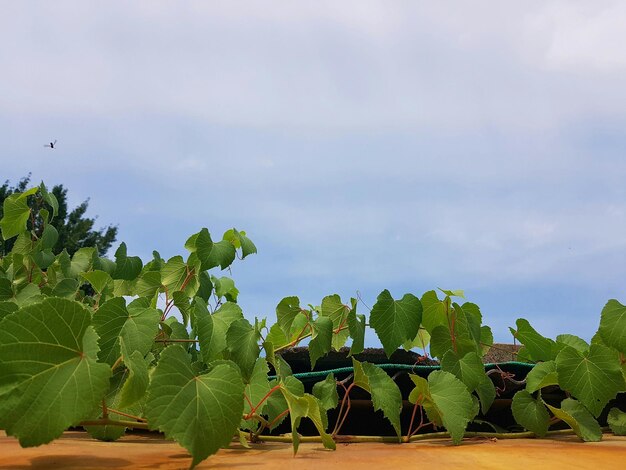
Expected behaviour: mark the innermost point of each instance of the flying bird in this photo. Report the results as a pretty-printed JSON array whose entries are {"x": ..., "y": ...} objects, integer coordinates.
[{"x": 51, "y": 144}]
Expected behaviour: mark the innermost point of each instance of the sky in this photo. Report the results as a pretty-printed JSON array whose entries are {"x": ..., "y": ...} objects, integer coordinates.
[{"x": 362, "y": 145}]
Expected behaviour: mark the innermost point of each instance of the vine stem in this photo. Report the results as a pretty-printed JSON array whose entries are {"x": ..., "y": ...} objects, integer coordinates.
[
  {"x": 114, "y": 422},
  {"x": 420, "y": 437},
  {"x": 267, "y": 395},
  {"x": 116, "y": 412}
]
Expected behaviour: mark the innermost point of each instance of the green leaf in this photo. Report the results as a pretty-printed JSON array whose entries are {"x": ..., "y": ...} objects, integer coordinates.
[
  {"x": 454, "y": 402},
  {"x": 49, "y": 237},
  {"x": 395, "y": 321},
  {"x": 209, "y": 253},
  {"x": 6, "y": 289},
  {"x": 594, "y": 377},
  {"x": 542, "y": 375},
  {"x": 613, "y": 325},
  {"x": 421, "y": 340},
  {"x": 81, "y": 262},
  {"x": 452, "y": 293},
  {"x": 247, "y": 247},
  {"x": 50, "y": 199},
  {"x": 222, "y": 319},
  {"x": 469, "y": 369},
  {"x": 356, "y": 326},
  {"x": 326, "y": 392},
  {"x": 148, "y": 283},
  {"x": 210, "y": 347},
  {"x": 486, "y": 339},
  {"x": 333, "y": 308},
  {"x": 573, "y": 341},
  {"x": 539, "y": 347},
  {"x": 7, "y": 308},
  {"x": 530, "y": 413},
  {"x": 66, "y": 288},
  {"x": 16, "y": 214},
  {"x": 99, "y": 280},
  {"x": 306, "y": 406},
  {"x": 434, "y": 311},
  {"x": 321, "y": 339},
  {"x": 127, "y": 267},
  {"x": 49, "y": 377},
  {"x": 258, "y": 386},
  {"x": 286, "y": 312},
  {"x": 242, "y": 341},
  {"x": 385, "y": 393},
  {"x": 276, "y": 403},
  {"x": 486, "y": 391},
  {"x": 579, "y": 419},
  {"x": 617, "y": 421},
  {"x": 138, "y": 324},
  {"x": 225, "y": 287},
  {"x": 174, "y": 273},
  {"x": 199, "y": 411},
  {"x": 136, "y": 384},
  {"x": 421, "y": 395}
]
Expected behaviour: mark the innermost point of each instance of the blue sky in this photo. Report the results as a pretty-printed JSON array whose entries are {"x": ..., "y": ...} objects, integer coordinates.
[{"x": 362, "y": 145}]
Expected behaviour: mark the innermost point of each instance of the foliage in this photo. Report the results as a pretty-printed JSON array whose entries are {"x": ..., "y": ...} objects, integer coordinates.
[
  {"x": 90, "y": 341},
  {"x": 72, "y": 229}
]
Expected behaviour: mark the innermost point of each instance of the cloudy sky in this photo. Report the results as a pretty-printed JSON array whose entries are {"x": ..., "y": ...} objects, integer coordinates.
[{"x": 362, "y": 145}]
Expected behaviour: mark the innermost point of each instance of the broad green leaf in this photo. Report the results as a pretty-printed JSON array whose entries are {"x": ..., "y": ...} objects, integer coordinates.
[
  {"x": 135, "y": 386},
  {"x": 66, "y": 288},
  {"x": 44, "y": 258},
  {"x": 276, "y": 403},
  {"x": 573, "y": 341},
  {"x": 247, "y": 247},
  {"x": 16, "y": 214},
  {"x": 199, "y": 411},
  {"x": 137, "y": 324},
  {"x": 441, "y": 342},
  {"x": 333, "y": 308},
  {"x": 181, "y": 302},
  {"x": 148, "y": 283},
  {"x": 594, "y": 377},
  {"x": 222, "y": 319},
  {"x": 530, "y": 413},
  {"x": 6, "y": 289},
  {"x": 211, "y": 347},
  {"x": 225, "y": 287},
  {"x": 421, "y": 340},
  {"x": 539, "y": 347},
  {"x": 174, "y": 274},
  {"x": 617, "y": 421},
  {"x": 356, "y": 326},
  {"x": 579, "y": 419},
  {"x": 209, "y": 253},
  {"x": 99, "y": 280},
  {"x": 326, "y": 392},
  {"x": 7, "y": 308},
  {"x": 305, "y": 406},
  {"x": 49, "y": 237},
  {"x": 49, "y": 377},
  {"x": 339, "y": 339},
  {"x": 385, "y": 393},
  {"x": 486, "y": 391},
  {"x": 469, "y": 369},
  {"x": 486, "y": 339},
  {"x": 395, "y": 321},
  {"x": 127, "y": 267},
  {"x": 434, "y": 311},
  {"x": 613, "y": 325},
  {"x": 542, "y": 375},
  {"x": 242, "y": 341},
  {"x": 421, "y": 395},
  {"x": 258, "y": 386},
  {"x": 27, "y": 295},
  {"x": 321, "y": 339},
  {"x": 50, "y": 199},
  {"x": 286, "y": 312},
  {"x": 81, "y": 262},
  {"x": 453, "y": 401}
]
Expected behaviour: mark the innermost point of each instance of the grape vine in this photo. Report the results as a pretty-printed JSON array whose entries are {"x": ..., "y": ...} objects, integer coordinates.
[{"x": 93, "y": 342}]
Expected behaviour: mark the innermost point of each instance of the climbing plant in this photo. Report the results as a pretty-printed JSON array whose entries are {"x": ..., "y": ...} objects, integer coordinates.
[{"x": 113, "y": 344}]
